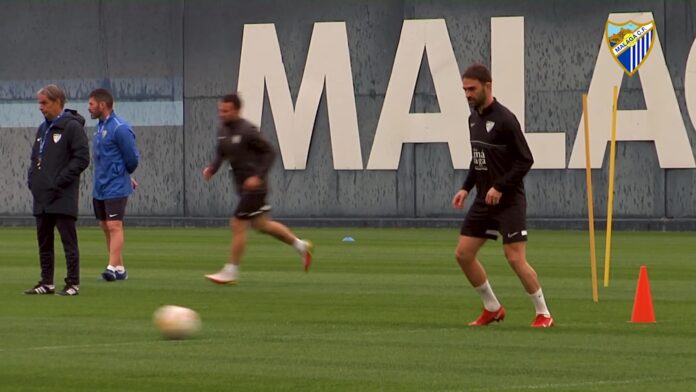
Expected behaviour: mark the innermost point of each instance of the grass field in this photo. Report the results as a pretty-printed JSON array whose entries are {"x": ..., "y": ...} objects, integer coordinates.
[{"x": 387, "y": 312}]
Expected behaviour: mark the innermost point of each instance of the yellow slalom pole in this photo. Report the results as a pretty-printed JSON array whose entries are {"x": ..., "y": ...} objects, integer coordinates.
[
  {"x": 590, "y": 204},
  {"x": 610, "y": 193}
]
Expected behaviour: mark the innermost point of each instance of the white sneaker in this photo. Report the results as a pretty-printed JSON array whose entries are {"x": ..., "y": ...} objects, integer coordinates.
[{"x": 223, "y": 277}]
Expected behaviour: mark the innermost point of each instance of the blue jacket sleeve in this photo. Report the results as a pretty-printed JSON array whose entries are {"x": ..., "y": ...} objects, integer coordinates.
[{"x": 125, "y": 138}]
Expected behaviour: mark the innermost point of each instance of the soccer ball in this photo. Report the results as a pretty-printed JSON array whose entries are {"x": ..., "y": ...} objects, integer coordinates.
[{"x": 176, "y": 322}]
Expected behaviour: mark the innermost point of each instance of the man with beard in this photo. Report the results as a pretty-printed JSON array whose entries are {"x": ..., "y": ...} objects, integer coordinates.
[
  {"x": 500, "y": 160},
  {"x": 116, "y": 157},
  {"x": 250, "y": 156}
]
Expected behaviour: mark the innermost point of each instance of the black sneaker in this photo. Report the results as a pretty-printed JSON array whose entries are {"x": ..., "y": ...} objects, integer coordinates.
[
  {"x": 122, "y": 275},
  {"x": 40, "y": 289},
  {"x": 69, "y": 290},
  {"x": 109, "y": 275}
]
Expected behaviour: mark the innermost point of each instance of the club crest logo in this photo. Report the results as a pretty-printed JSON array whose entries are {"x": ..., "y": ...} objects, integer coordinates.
[
  {"x": 56, "y": 137},
  {"x": 489, "y": 125},
  {"x": 630, "y": 43}
]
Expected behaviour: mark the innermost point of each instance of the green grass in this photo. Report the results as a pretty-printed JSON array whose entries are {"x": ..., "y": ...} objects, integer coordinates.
[{"x": 387, "y": 312}]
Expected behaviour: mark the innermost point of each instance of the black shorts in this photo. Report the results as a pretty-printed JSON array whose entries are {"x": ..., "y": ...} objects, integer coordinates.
[
  {"x": 111, "y": 209},
  {"x": 508, "y": 221},
  {"x": 251, "y": 205}
]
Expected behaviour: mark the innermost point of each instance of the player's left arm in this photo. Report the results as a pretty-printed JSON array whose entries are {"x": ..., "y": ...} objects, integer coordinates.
[
  {"x": 125, "y": 139},
  {"x": 520, "y": 154},
  {"x": 264, "y": 153}
]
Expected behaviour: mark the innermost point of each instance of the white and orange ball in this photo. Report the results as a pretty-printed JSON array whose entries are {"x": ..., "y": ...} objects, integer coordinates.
[{"x": 176, "y": 322}]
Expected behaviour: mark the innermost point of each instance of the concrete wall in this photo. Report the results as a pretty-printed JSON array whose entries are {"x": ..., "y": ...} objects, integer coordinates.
[
  {"x": 187, "y": 53},
  {"x": 132, "y": 47}
]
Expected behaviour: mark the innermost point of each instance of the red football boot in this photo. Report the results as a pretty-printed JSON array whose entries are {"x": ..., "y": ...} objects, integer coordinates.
[
  {"x": 307, "y": 256},
  {"x": 542, "y": 321},
  {"x": 488, "y": 317}
]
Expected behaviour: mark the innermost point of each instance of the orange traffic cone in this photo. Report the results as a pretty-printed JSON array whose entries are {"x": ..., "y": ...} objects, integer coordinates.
[{"x": 643, "y": 311}]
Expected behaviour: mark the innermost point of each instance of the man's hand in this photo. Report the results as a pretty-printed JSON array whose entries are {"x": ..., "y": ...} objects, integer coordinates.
[
  {"x": 252, "y": 183},
  {"x": 134, "y": 183},
  {"x": 53, "y": 193},
  {"x": 493, "y": 197},
  {"x": 459, "y": 197},
  {"x": 208, "y": 173}
]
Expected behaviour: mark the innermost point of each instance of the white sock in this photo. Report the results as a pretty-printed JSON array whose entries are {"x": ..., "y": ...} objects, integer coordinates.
[
  {"x": 120, "y": 269},
  {"x": 232, "y": 268},
  {"x": 490, "y": 302},
  {"x": 299, "y": 245},
  {"x": 111, "y": 268},
  {"x": 539, "y": 303}
]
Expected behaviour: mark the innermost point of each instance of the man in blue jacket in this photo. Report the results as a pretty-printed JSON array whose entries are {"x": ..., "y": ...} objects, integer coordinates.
[{"x": 115, "y": 158}]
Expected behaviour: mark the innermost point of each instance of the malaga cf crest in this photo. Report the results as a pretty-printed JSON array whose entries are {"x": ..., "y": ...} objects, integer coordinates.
[{"x": 630, "y": 43}]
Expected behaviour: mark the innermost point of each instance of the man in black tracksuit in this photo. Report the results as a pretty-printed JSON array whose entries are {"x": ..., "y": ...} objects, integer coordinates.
[
  {"x": 59, "y": 155},
  {"x": 500, "y": 160},
  {"x": 250, "y": 155}
]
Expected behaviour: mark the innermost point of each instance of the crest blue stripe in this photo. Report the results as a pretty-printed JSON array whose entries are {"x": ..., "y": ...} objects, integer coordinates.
[{"x": 633, "y": 56}]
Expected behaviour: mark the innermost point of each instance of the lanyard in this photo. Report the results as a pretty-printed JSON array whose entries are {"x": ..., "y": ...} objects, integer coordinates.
[{"x": 102, "y": 124}]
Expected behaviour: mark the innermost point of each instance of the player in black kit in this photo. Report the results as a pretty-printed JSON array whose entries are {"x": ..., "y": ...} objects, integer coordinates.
[
  {"x": 500, "y": 160},
  {"x": 250, "y": 155}
]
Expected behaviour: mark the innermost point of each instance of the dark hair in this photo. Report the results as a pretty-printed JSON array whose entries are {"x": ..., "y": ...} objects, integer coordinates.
[
  {"x": 478, "y": 72},
  {"x": 103, "y": 95},
  {"x": 233, "y": 99},
  {"x": 53, "y": 93}
]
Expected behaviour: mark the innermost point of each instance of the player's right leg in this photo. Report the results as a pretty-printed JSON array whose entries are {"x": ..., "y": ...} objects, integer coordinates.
[
  {"x": 107, "y": 237},
  {"x": 229, "y": 274},
  {"x": 116, "y": 239},
  {"x": 109, "y": 273},
  {"x": 110, "y": 214},
  {"x": 467, "y": 249},
  {"x": 475, "y": 230},
  {"x": 45, "y": 224},
  {"x": 99, "y": 206}
]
